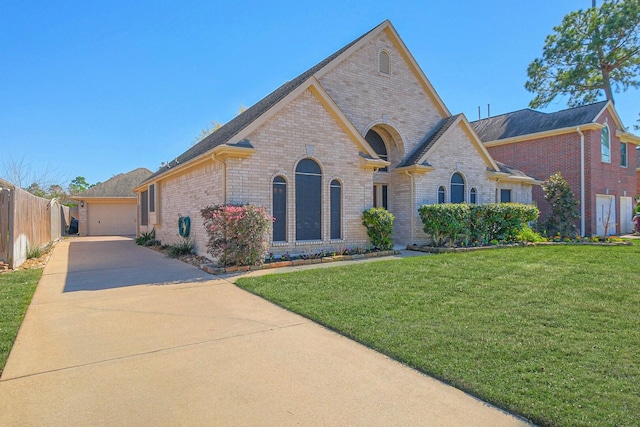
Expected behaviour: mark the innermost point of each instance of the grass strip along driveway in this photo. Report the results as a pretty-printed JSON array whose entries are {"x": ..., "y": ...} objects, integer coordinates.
[
  {"x": 16, "y": 291},
  {"x": 551, "y": 333}
]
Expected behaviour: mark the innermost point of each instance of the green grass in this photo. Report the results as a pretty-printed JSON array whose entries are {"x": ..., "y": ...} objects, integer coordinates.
[
  {"x": 550, "y": 333},
  {"x": 16, "y": 291}
]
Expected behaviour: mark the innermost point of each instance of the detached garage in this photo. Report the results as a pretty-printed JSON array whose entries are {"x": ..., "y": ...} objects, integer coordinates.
[{"x": 110, "y": 208}]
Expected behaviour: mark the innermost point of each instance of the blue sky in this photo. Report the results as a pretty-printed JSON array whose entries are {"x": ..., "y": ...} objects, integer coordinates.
[{"x": 95, "y": 89}]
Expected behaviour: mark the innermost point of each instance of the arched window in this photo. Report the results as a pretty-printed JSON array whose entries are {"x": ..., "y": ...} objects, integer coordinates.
[
  {"x": 605, "y": 145},
  {"x": 336, "y": 209},
  {"x": 279, "y": 209},
  {"x": 457, "y": 188},
  {"x": 308, "y": 200},
  {"x": 473, "y": 196},
  {"x": 384, "y": 62},
  {"x": 441, "y": 194},
  {"x": 377, "y": 143}
]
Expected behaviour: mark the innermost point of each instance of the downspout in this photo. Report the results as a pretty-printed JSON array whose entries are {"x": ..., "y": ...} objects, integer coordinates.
[
  {"x": 582, "y": 195},
  {"x": 411, "y": 207}
]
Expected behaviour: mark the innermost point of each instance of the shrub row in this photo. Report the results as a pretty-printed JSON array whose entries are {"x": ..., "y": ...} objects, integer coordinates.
[{"x": 452, "y": 224}]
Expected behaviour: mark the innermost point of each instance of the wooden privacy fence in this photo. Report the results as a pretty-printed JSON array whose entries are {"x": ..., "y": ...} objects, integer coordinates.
[{"x": 27, "y": 221}]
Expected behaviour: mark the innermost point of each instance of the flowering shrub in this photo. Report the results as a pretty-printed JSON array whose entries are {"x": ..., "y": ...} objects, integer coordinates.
[
  {"x": 379, "y": 223},
  {"x": 238, "y": 235}
]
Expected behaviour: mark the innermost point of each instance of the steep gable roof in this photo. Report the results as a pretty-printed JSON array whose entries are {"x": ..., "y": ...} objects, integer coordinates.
[
  {"x": 429, "y": 141},
  {"x": 228, "y": 133},
  {"x": 527, "y": 121},
  {"x": 120, "y": 186}
]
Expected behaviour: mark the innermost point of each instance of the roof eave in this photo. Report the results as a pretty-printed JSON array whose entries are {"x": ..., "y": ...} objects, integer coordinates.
[
  {"x": 628, "y": 137},
  {"x": 544, "y": 134},
  {"x": 419, "y": 169},
  {"x": 373, "y": 164}
]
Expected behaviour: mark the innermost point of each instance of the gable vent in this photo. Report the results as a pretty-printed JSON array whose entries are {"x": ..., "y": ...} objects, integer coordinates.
[{"x": 384, "y": 63}]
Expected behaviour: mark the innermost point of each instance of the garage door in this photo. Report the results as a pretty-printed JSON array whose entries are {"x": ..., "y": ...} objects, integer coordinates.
[
  {"x": 111, "y": 219},
  {"x": 605, "y": 214}
]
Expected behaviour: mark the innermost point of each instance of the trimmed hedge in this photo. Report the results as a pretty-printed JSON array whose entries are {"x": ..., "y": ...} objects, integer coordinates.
[{"x": 454, "y": 223}]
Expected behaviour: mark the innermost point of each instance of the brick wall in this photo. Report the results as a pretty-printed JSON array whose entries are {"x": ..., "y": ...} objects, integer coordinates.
[
  {"x": 561, "y": 153},
  {"x": 304, "y": 129},
  {"x": 365, "y": 95},
  {"x": 185, "y": 195}
]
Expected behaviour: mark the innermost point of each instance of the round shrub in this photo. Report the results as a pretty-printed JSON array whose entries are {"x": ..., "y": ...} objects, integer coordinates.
[{"x": 379, "y": 224}]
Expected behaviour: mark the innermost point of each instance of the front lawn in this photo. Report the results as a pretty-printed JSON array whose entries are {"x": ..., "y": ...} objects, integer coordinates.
[
  {"x": 551, "y": 333},
  {"x": 16, "y": 290}
]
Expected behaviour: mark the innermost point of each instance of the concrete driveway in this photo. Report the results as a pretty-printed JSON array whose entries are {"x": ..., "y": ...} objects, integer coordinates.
[{"x": 118, "y": 334}]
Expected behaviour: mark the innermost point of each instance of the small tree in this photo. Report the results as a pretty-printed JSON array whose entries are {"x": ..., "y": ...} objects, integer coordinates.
[
  {"x": 379, "y": 223},
  {"x": 564, "y": 207}
]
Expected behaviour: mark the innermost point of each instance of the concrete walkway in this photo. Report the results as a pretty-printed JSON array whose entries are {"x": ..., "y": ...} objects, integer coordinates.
[{"x": 119, "y": 335}]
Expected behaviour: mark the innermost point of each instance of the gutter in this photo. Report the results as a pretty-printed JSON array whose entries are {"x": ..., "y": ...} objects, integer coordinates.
[{"x": 582, "y": 196}]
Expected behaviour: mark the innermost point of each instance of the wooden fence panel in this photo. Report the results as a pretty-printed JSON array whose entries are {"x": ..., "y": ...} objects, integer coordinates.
[
  {"x": 27, "y": 221},
  {"x": 5, "y": 205},
  {"x": 32, "y": 224}
]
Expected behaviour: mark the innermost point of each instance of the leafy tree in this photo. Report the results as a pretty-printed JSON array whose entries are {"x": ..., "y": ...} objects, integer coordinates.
[
  {"x": 592, "y": 51},
  {"x": 78, "y": 185},
  {"x": 56, "y": 191},
  {"x": 35, "y": 189},
  {"x": 564, "y": 207}
]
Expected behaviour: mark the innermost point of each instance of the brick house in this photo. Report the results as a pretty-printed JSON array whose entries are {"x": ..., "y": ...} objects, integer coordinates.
[
  {"x": 362, "y": 128},
  {"x": 588, "y": 145}
]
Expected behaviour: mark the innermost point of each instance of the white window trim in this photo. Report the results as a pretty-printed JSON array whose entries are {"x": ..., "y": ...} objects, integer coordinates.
[
  {"x": 386, "y": 52},
  {"x": 602, "y": 159},
  {"x": 626, "y": 157}
]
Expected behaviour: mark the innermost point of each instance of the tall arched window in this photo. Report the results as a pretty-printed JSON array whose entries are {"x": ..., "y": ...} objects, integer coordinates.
[
  {"x": 279, "y": 209},
  {"x": 377, "y": 143},
  {"x": 473, "y": 196},
  {"x": 441, "y": 194},
  {"x": 605, "y": 145},
  {"x": 336, "y": 209},
  {"x": 384, "y": 62},
  {"x": 308, "y": 200},
  {"x": 457, "y": 188}
]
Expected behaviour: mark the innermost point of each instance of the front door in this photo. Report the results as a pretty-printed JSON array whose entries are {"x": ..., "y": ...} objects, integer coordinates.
[{"x": 381, "y": 196}]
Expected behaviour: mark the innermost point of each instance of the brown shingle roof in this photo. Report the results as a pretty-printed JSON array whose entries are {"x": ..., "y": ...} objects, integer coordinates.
[
  {"x": 527, "y": 121},
  {"x": 121, "y": 185},
  {"x": 241, "y": 121},
  {"x": 429, "y": 140}
]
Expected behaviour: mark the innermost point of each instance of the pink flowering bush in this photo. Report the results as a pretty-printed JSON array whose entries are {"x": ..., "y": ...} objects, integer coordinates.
[{"x": 238, "y": 235}]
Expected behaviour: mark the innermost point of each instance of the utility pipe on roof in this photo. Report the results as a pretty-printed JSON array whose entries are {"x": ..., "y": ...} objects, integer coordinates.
[{"x": 582, "y": 191}]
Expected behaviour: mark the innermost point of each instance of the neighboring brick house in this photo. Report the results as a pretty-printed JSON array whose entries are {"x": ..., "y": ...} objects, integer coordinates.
[
  {"x": 362, "y": 128},
  {"x": 542, "y": 144},
  {"x": 638, "y": 174}
]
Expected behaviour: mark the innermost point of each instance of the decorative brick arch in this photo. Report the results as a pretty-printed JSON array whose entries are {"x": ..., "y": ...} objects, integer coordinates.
[{"x": 392, "y": 138}]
